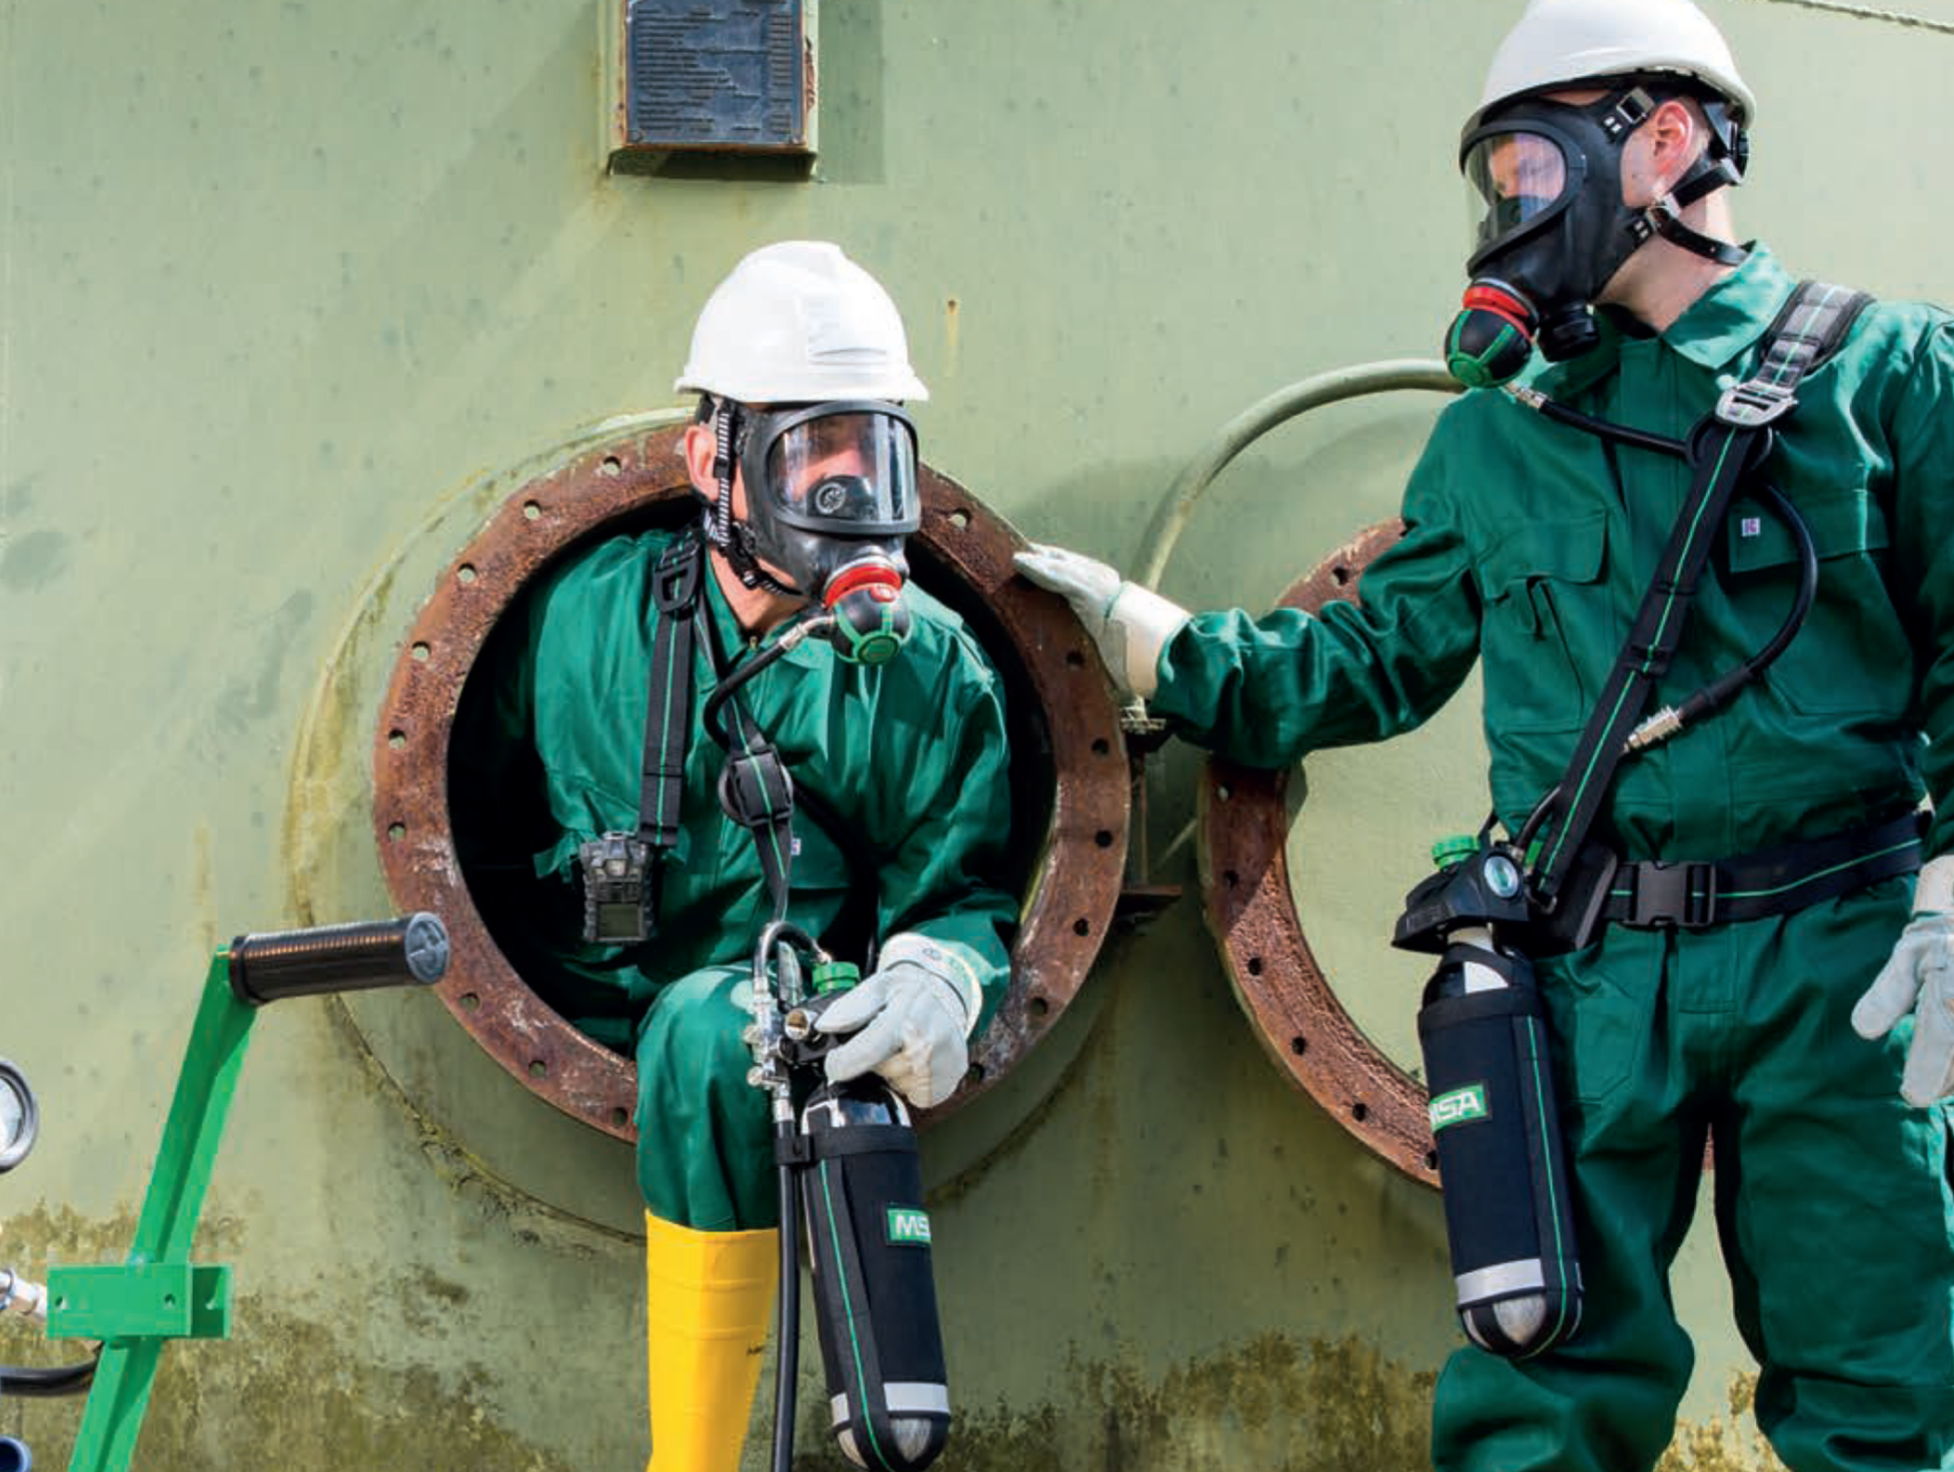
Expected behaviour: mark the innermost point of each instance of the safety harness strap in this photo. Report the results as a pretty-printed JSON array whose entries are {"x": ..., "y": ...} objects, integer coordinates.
[
  {"x": 668, "y": 724},
  {"x": 1661, "y": 894},
  {"x": 1730, "y": 443}
]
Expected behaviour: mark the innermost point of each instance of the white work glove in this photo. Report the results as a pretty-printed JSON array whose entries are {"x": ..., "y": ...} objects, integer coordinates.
[
  {"x": 914, "y": 1021},
  {"x": 1919, "y": 978},
  {"x": 1130, "y": 624}
]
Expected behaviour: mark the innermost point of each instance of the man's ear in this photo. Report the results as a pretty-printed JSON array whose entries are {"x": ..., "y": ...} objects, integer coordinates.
[
  {"x": 1679, "y": 135},
  {"x": 700, "y": 446}
]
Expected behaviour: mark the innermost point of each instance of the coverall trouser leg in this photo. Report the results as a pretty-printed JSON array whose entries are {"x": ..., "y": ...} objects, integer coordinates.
[
  {"x": 705, "y": 1167},
  {"x": 1832, "y": 1202},
  {"x": 705, "y": 1147}
]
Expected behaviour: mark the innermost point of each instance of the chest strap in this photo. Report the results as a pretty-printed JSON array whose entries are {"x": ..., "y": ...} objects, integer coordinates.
[
  {"x": 1657, "y": 894},
  {"x": 1729, "y": 445}
]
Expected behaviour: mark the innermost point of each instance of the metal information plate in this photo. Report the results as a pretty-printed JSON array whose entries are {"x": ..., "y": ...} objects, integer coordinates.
[{"x": 717, "y": 74}]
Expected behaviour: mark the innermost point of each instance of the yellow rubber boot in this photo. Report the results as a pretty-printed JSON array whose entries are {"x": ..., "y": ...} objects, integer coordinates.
[{"x": 708, "y": 1299}]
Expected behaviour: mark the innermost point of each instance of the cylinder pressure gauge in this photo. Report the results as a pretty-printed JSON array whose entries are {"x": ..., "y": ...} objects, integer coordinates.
[{"x": 20, "y": 1117}]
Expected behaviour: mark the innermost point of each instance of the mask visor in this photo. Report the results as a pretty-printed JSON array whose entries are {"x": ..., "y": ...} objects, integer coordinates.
[
  {"x": 849, "y": 470},
  {"x": 1515, "y": 178}
]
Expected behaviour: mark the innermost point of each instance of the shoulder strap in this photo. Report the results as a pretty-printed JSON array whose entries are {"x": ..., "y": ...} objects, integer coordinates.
[
  {"x": 1806, "y": 332},
  {"x": 668, "y": 710},
  {"x": 1731, "y": 442}
]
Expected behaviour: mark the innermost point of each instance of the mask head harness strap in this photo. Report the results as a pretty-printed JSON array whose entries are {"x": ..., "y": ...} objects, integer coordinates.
[
  {"x": 1619, "y": 114},
  {"x": 1722, "y": 163},
  {"x": 732, "y": 539}
]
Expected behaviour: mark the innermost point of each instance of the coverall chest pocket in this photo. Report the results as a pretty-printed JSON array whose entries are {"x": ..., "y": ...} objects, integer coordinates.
[
  {"x": 1851, "y": 656},
  {"x": 820, "y": 865},
  {"x": 1548, "y": 633}
]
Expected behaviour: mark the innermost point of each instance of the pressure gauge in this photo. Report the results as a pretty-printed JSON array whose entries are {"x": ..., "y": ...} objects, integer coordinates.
[{"x": 20, "y": 1117}]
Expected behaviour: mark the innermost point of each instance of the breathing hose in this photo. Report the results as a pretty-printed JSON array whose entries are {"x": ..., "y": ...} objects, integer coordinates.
[
  {"x": 787, "y": 1329},
  {"x": 725, "y": 688}
]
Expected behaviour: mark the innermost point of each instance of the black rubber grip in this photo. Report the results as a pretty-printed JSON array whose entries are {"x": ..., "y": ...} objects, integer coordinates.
[{"x": 410, "y": 951}]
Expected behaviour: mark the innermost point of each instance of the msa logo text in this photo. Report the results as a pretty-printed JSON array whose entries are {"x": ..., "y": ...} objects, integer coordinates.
[
  {"x": 908, "y": 1227},
  {"x": 1461, "y": 1106}
]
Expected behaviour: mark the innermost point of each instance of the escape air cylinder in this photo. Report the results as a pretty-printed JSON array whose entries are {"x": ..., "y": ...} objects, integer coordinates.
[
  {"x": 874, "y": 1290},
  {"x": 1508, "y": 1218}
]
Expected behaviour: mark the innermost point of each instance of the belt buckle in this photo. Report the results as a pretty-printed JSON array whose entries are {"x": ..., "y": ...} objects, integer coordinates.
[{"x": 1680, "y": 896}]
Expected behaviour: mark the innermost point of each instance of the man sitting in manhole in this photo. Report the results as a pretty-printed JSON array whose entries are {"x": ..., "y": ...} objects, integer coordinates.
[{"x": 606, "y": 705}]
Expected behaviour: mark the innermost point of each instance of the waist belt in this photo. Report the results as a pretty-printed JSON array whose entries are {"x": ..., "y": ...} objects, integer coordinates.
[{"x": 1682, "y": 895}]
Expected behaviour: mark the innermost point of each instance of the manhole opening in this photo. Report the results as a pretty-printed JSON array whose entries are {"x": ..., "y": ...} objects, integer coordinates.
[
  {"x": 430, "y": 809},
  {"x": 500, "y": 829}
]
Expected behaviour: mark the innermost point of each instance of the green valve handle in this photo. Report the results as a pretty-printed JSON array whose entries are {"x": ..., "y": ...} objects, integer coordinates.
[
  {"x": 1454, "y": 850},
  {"x": 835, "y": 976}
]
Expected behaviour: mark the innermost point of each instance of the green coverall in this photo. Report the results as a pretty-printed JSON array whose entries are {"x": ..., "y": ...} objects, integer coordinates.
[
  {"x": 1529, "y": 545},
  {"x": 909, "y": 757}
]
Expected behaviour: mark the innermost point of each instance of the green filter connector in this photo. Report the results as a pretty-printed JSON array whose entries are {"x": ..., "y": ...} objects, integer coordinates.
[
  {"x": 835, "y": 976},
  {"x": 1454, "y": 850}
]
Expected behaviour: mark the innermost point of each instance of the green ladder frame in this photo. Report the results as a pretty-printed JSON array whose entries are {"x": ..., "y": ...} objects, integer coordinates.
[{"x": 158, "y": 1294}]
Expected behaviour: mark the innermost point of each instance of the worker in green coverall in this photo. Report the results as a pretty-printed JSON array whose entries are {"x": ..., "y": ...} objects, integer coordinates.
[
  {"x": 901, "y": 791},
  {"x": 1814, "y": 1044}
]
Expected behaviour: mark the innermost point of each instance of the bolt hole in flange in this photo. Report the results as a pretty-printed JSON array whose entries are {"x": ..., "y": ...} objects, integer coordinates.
[{"x": 1061, "y": 710}]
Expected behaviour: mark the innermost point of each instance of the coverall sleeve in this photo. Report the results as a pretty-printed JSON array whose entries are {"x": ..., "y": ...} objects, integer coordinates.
[
  {"x": 1923, "y": 440},
  {"x": 1266, "y": 692},
  {"x": 942, "y": 879}
]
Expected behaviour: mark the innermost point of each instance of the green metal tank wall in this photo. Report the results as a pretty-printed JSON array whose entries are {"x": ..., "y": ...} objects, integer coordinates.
[{"x": 288, "y": 288}]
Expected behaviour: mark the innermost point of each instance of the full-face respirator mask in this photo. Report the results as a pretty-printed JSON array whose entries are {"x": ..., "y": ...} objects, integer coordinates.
[
  {"x": 1551, "y": 229},
  {"x": 831, "y": 493}
]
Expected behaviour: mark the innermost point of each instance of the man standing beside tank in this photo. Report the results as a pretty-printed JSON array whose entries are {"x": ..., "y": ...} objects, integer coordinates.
[
  {"x": 1735, "y": 989},
  {"x": 805, "y": 464}
]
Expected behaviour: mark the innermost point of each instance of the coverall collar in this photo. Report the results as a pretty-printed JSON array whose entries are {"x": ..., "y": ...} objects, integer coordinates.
[
  {"x": 733, "y": 639},
  {"x": 1733, "y": 313},
  {"x": 1715, "y": 330}
]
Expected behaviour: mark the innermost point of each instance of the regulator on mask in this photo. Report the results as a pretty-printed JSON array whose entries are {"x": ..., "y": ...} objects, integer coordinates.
[
  {"x": 831, "y": 493},
  {"x": 1551, "y": 229}
]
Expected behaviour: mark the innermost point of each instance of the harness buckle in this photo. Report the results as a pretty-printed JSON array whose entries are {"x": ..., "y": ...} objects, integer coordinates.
[
  {"x": 675, "y": 580},
  {"x": 1754, "y": 403},
  {"x": 1679, "y": 896}
]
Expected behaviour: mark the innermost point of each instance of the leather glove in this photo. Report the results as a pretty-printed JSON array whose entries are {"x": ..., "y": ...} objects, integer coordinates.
[
  {"x": 1130, "y": 624},
  {"x": 1919, "y": 979},
  {"x": 915, "y": 1018}
]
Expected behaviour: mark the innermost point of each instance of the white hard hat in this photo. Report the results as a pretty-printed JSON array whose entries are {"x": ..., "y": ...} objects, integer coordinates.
[
  {"x": 1563, "y": 41},
  {"x": 799, "y": 323}
]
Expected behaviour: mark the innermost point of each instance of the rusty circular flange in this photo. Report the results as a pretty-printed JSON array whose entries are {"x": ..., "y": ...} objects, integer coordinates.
[
  {"x": 1070, "y": 904},
  {"x": 1244, "y": 818}
]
